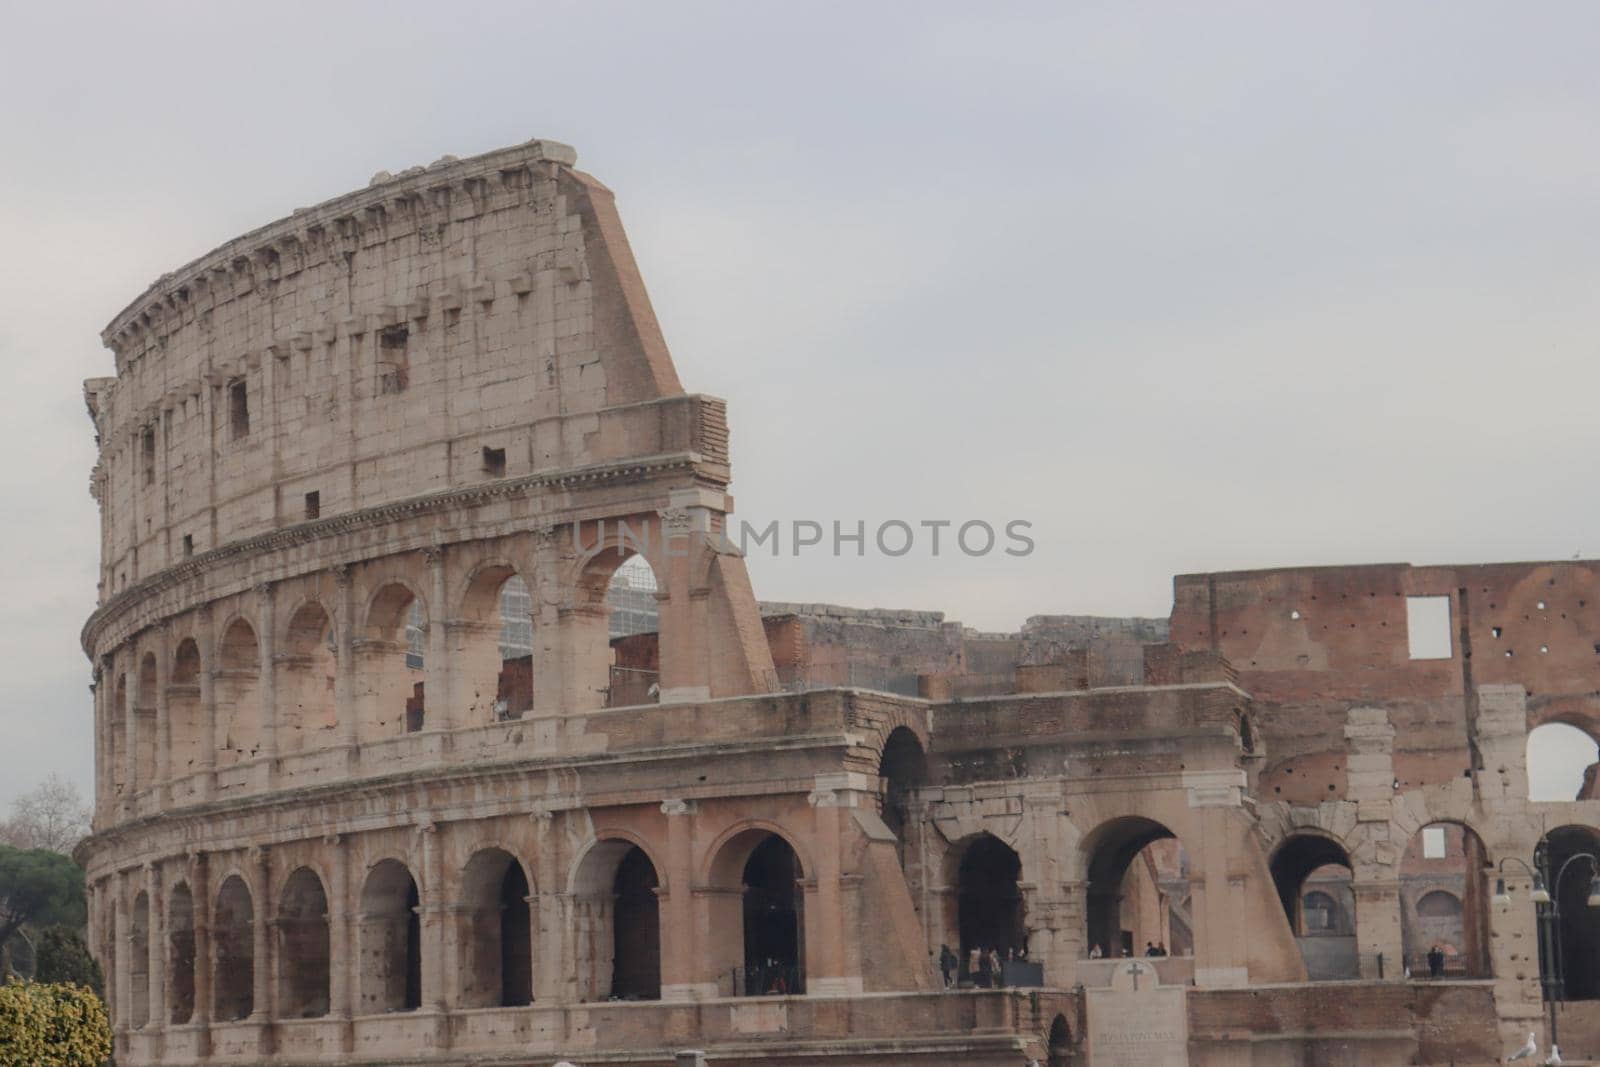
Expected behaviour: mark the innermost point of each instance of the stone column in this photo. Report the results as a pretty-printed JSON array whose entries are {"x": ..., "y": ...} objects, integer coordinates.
[
  {"x": 157, "y": 944},
  {"x": 163, "y": 759},
  {"x": 824, "y": 934},
  {"x": 260, "y": 940},
  {"x": 439, "y": 700},
  {"x": 200, "y": 888},
  {"x": 207, "y": 763},
  {"x": 101, "y": 752},
  {"x": 433, "y": 922},
  {"x": 122, "y": 981},
  {"x": 344, "y": 685},
  {"x": 130, "y": 728},
  {"x": 677, "y": 915},
  {"x": 551, "y": 973},
  {"x": 267, "y": 637},
  {"x": 551, "y": 681}
]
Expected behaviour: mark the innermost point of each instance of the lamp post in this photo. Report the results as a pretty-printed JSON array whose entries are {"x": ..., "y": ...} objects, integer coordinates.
[{"x": 1546, "y": 895}]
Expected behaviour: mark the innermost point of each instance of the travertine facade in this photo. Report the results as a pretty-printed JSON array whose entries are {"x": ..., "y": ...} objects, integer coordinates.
[{"x": 344, "y": 816}]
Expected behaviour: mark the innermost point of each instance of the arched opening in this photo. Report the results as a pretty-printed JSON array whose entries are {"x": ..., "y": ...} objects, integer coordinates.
[
  {"x": 774, "y": 940},
  {"x": 493, "y": 644},
  {"x": 139, "y": 961},
  {"x": 308, "y": 712},
  {"x": 144, "y": 726},
  {"x": 1559, "y": 758},
  {"x": 180, "y": 954},
  {"x": 391, "y": 674},
  {"x": 391, "y": 940},
  {"x": 497, "y": 931},
  {"x": 1138, "y": 891},
  {"x": 233, "y": 947},
  {"x": 303, "y": 947},
  {"x": 615, "y": 611},
  {"x": 184, "y": 721},
  {"x": 902, "y": 770},
  {"x": 1059, "y": 1044},
  {"x": 1310, "y": 863},
  {"x": 636, "y": 949},
  {"x": 1444, "y": 893},
  {"x": 1571, "y": 962},
  {"x": 119, "y": 735},
  {"x": 238, "y": 695},
  {"x": 990, "y": 918},
  {"x": 619, "y": 944}
]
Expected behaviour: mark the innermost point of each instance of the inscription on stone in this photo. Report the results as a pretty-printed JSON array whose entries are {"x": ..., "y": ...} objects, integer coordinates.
[{"x": 1137, "y": 1022}]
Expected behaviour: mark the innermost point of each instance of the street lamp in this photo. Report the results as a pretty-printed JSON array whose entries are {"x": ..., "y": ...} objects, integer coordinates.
[
  {"x": 1539, "y": 894},
  {"x": 1551, "y": 981}
]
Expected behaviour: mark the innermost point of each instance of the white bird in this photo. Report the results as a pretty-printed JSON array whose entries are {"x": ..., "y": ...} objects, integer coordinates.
[
  {"x": 1554, "y": 1059},
  {"x": 1530, "y": 1049}
]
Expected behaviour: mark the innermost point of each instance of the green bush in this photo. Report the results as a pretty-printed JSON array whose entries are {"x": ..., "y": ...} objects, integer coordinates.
[
  {"x": 52, "y": 1026},
  {"x": 62, "y": 957}
]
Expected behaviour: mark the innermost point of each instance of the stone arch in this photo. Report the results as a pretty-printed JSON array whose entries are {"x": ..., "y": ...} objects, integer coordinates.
[
  {"x": 308, "y": 667},
  {"x": 496, "y": 930},
  {"x": 144, "y": 723},
  {"x": 1058, "y": 1043},
  {"x": 726, "y": 856},
  {"x": 180, "y": 954},
  {"x": 238, "y": 693},
  {"x": 185, "y": 721},
  {"x": 119, "y": 733},
  {"x": 304, "y": 947},
  {"x": 390, "y": 936},
  {"x": 1108, "y": 853},
  {"x": 233, "y": 951},
  {"x": 491, "y": 643},
  {"x": 1446, "y": 857},
  {"x": 902, "y": 769},
  {"x": 601, "y": 680},
  {"x": 990, "y": 910},
  {"x": 760, "y": 872},
  {"x": 139, "y": 984},
  {"x": 1567, "y": 751},
  {"x": 391, "y": 664},
  {"x": 1316, "y": 861},
  {"x": 614, "y": 889},
  {"x": 1573, "y": 960}
]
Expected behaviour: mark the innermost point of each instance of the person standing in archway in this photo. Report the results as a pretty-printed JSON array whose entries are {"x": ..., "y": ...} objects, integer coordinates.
[{"x": 947, "y": 965}]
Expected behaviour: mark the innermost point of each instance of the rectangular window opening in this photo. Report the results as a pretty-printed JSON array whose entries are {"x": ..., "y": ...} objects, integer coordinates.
[
  {"x": 313, "y": 504},
  {"x": 1428, "y": 627},
  {"x": 148, "y": 451},
  {"x": 494, "y": 461},
  {"x": 188, "y": 545},
  {"x": 1433, "y": 842},
  {"x": 239, "y": 409}
]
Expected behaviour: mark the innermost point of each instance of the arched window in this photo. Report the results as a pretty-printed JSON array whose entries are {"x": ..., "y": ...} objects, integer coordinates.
[
  {"x": 773, "y": 941},
  {"x": 614, "y": 892},
  {"x": 392, "y": 665},
  {"x": 1312, "y": 862},
  {"x": 903, "y": 769},
  {"x": 308, "y": 714},
  {"x": 1138, "y": 890},
  {"x": 145, "y": 723},
  {"x": 238, "y": 695},
  {"x": 989, "y": 906},
  {"x": 139, "y": 961},
  {"x": 303, "y": 954},
  {"x": 1059, "y": 1043},
  {"x": 497, "y": 932},
  {"x": 233, "y": 947},
  {"x": 185, "y": 724},
  {"x": 492, "y": 646},
  {"x": 1574, "y": 967},
  {"x": 119, "y": 735},
  {"x": 391, "y": 940},
  {"x": 180, "y": 954},
  {"x": 617, "y": 664},
  {"x": 1444, "y": 869},
  {"x": 1559, "y": 757}
]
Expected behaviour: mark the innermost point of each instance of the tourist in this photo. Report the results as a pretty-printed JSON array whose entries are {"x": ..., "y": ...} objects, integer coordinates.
[
  {"x": 947, "y": 965},
  {"x": 1150, "y": 949},
  {"x": 996, "y": 976},
  {"x": 1095, "y": 951},
  {"x": 1435, "y": 962}
]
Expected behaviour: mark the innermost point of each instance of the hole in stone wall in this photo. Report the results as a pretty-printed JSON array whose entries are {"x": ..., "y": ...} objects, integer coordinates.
[
  {"x": 238, "y": 409},
  {"x": 494, "y": 461},
  {"x": 313, "y": 504},
  {"x": 147, "y": 450},
  {"x": 1496, "y": 631},
  {"x": 188, "y": 545}
]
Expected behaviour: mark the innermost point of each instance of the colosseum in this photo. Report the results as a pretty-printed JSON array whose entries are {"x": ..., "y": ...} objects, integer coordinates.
[{"x": 437, "y": 722}]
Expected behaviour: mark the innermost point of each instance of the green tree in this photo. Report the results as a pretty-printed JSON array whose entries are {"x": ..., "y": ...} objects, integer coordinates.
[
  {"x": 52, "y": 1026},
  {"x": 63, "y": 957},
  {"x": 38, "y": 888}
]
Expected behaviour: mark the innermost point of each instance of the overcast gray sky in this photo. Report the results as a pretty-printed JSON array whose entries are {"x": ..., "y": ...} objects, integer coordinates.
[{"x": 1189, "y": 287}]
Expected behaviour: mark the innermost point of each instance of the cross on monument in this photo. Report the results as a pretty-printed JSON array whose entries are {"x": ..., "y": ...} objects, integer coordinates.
[{"x": 1136, "y": 969}]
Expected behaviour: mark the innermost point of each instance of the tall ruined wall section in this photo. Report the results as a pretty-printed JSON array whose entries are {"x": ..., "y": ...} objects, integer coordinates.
[
  {"x": 371, "y": 349},
  {"x": 1309, "y": 643}
]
